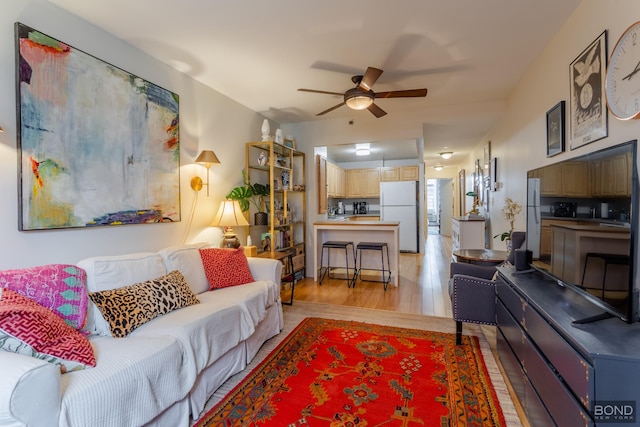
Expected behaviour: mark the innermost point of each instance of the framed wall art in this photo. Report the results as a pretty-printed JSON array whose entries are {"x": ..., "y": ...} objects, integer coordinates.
[
  {"x": 462, "y": 191},
  {"x": 555, "y": 129},
  {"x": 97, "y": 145},
  {"x": 587, "y": 108}
]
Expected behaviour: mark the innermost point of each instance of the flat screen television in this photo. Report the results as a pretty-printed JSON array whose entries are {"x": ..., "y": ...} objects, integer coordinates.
[{"x": 582, "y": 230}]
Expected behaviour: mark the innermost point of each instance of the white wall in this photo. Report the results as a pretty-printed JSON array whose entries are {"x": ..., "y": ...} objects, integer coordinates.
[
  {"x": 519, "y": 140},
  {"x": 208, "y": 120}
]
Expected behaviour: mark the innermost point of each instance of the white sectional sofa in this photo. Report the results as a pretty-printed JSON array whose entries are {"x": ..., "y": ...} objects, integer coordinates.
[{"x": 163, "y": 372}]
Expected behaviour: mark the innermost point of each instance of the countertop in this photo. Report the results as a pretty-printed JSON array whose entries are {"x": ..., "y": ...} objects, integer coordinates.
[
  {"x": 594, "y": 228},
  {"x": 357, "y": 223},
  {"x": 588, "y": 219}
]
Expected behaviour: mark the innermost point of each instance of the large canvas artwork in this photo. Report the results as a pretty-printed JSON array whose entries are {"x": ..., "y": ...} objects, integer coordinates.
[{"x": 97, "y": 145}]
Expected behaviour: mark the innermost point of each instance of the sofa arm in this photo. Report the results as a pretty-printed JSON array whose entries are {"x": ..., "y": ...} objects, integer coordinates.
[
  {"x": 265, "y": 269},
  {"x": 29, "y": 391}
]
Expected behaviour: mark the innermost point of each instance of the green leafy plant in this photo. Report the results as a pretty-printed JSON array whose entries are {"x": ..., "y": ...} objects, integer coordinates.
[{"x": 250, "y": 194}]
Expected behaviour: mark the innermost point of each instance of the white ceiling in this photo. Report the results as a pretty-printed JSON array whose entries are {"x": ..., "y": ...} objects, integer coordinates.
[{"x": 469, "y": 54}]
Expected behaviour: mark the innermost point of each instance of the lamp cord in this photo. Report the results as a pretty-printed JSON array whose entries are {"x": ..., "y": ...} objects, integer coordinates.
[{"x": 193, "y": 209}]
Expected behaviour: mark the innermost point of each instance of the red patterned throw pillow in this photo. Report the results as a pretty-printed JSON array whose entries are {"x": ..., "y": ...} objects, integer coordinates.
[
  {"x": 225, "y": 267},
  {"x": 28, "y": 328}
]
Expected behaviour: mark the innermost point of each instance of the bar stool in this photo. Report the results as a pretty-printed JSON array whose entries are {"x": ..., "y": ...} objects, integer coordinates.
[
  {"x": 338, "y": 244},
  {"x": 374, "y": 246},
  {"x": 613, "y": 259}
]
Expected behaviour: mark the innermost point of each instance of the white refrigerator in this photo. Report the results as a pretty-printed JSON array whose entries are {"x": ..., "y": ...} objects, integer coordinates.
[
  {"x": 399, "y": 202},
  {"x": 534, "y": 221}
]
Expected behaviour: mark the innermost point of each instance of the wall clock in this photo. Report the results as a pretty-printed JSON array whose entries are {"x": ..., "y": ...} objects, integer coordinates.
[{"x": 622, "y": 84}]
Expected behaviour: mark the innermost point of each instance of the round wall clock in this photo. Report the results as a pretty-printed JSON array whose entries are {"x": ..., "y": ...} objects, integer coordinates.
[{"x": 622, "y": 84}]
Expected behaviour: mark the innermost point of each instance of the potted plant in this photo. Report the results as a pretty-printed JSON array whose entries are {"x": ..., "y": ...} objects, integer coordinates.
[
  {"x": 509, "y": 212},
  {"x": 252, "y": 194}
]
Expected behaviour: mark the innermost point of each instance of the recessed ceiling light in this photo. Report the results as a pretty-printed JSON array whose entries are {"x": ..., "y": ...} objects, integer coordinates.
[{"x": 446, "y": 155}]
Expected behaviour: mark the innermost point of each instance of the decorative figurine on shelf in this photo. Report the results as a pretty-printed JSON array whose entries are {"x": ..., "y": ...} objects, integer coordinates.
[
  {"x": 279, "y": 136},
  {"x": 265, "y": 130},
  {"x": 285, "y": 180},
  {"x": 474, "y": 209},
  {"x": 263, "y": 159}
]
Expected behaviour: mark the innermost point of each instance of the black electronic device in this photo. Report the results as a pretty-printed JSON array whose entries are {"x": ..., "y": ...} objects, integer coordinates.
[{"x": 576, "y": 188}]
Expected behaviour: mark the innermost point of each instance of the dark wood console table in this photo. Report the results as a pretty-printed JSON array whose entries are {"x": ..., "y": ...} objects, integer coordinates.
[{"x": 563, "y": 374}]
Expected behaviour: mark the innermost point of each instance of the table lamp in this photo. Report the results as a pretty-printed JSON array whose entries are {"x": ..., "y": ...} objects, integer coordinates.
[{"x": 228, "y": 216}]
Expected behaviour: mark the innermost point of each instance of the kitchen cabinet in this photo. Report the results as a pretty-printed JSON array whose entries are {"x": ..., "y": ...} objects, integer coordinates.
[
  {"x": 336, "y": 180},
  {"x": 546, "y": 236},
  {"x": 363, "y": 183},
  {"x": 612, "y": 176},
  {"x": 401, "y": 173},
  {"x": 321, "y": 168},
  {"x": 571, "y": 179}
]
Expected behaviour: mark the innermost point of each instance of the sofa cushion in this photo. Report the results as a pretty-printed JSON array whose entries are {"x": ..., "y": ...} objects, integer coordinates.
[
  {"x": 110, "y": 272},
  {"x": 59, "y": 287},
  {"x": 129, "y": 307},
  {"x": 135, "y": 380},
  {"x": 186, "y": 259},
  {"x": 33, "y": 330},
  {"x": 225, "y": 267}
]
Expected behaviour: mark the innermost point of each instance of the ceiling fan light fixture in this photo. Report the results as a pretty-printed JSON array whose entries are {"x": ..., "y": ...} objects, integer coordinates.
[
  {"x": 357, "y": 99},
  {"x": 363, "y": 149},
  {"x": 446, "y": 155}
]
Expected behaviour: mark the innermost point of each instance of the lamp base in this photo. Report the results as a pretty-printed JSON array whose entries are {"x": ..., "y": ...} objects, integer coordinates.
[{"x": 230, "y": 241}]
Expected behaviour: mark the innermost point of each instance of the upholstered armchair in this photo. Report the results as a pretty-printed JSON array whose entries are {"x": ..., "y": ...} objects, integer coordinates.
[{"x": 473, "y": 295}]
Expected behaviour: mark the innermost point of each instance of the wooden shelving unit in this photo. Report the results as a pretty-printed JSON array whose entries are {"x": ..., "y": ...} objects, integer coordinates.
[{"x": 284, "y": 171}]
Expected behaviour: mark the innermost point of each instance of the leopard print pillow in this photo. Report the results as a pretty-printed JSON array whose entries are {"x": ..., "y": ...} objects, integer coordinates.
[{"x": 129, "y": 307}]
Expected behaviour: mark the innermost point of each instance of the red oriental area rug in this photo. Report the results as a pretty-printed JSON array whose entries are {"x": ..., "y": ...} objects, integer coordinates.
[{"x": 342, "y": 373}]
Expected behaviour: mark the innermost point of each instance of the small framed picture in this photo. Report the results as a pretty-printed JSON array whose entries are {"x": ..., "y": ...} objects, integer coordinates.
[
  {"x": 555, "y": 129},
  {"x": 493, "y": 177},
  {"x": 290, "y": 143}
]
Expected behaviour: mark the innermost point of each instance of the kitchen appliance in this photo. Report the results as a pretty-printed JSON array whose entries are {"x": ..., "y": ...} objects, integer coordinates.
[
  {"x": 399, "y": 202},
  {"x": 340, "y": 208},
  {"x": 360, "y": 208},
  {"x": 534, "y": 222},
  {"x": 564, "y": 209}
]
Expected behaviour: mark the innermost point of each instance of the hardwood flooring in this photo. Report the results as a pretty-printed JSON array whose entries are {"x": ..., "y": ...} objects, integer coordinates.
[{"x": 422, "y": 286}]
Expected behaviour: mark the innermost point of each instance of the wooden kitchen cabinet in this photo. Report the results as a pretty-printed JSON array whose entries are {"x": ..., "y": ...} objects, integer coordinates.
[
  {"x": 321, "y": 168},
  {"x": 611, "y": 176},
  {"x": 575, "y": 179},
  {"x": 546, "y": 236},
  {"x": 401, "y": 173},
  {"x": 363, "y": 183},
  {"x": 336, "y": 180}
]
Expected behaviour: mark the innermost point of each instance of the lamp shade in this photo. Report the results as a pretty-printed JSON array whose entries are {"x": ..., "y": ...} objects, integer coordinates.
[
  {"x": 207, "y": 157},
  {"x": 229, "y": 215},
  {"x": 357, "y": 99}
]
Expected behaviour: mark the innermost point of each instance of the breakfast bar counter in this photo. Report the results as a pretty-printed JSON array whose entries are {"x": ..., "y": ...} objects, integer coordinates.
[{"x": 358, "y": 231}]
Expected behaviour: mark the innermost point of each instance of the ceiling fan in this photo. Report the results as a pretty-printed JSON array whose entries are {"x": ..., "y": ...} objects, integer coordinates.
[{"x": 361, "y": 96}]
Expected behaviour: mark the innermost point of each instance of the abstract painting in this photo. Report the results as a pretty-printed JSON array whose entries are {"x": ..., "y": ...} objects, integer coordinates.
[{"x": 97, "y": 146}]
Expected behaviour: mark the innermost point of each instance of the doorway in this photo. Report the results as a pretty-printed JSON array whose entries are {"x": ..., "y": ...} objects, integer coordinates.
[{"x": 439, "y": 206}]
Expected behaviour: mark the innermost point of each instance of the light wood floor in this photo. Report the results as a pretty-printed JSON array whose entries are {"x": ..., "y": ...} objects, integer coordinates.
[{"x": 422, "y": 286}]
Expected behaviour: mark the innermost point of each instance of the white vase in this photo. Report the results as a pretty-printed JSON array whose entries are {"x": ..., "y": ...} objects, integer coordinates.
[{"x": 265, "y": 130}]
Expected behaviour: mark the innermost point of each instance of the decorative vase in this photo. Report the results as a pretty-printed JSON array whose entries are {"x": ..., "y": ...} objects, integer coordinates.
[
  {"x": 261, "y": 218},
  {"x": 265, "y": 130},
  {"x": 263, "y": 159},
  {"x": 285, "y": 177}
]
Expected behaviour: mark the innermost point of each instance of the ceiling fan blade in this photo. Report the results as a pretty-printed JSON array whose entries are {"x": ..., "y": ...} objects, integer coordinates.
[
  {"x": 369, "y": 78},
  {"x": 328, "y": 110},
  {"x": 376, "y": 111},
  {"x": 402, "y": 93},
  {"x": 322, "y": 91}
]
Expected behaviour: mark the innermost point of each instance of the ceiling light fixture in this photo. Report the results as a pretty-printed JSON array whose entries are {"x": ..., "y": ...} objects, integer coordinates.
[
  {"x": 363, "y": 149},
  {"x": 357, "y": 99},
  {"x": 446, "y": 155},
  {"x": 438, "y": 167}
]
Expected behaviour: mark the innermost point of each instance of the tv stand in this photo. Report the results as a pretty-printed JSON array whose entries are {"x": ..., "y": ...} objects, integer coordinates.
[
  {"x": 596, "y": 317},
  {"x": 560, "y": 373}
]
